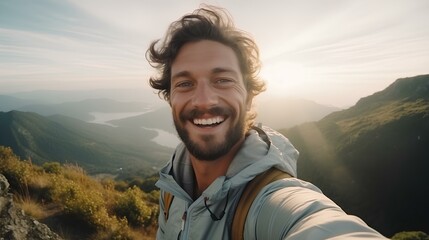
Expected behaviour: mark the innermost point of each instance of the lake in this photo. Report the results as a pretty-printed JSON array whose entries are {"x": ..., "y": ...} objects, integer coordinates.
[{"x": 163, "y": 138}]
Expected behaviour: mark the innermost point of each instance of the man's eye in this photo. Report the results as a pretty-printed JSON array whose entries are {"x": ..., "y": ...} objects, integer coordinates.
[
  {"x": 224, "y": 81},
  {"x": 185, "y": 84}
]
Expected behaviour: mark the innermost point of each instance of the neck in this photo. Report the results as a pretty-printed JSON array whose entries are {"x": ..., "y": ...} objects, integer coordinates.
[{"x": 207, "y": 172}]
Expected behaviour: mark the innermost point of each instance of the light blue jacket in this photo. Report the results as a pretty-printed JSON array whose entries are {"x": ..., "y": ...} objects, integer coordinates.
[{"x": 285, "y": 209}]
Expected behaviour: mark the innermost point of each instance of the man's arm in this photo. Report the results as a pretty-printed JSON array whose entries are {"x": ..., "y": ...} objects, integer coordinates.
[{"x": 298, "y": 210}]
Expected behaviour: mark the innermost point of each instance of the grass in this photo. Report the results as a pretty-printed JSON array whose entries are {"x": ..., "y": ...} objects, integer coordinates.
[
  {"x": 76, "y": 205},
  {"x": 31, "y": 207}
]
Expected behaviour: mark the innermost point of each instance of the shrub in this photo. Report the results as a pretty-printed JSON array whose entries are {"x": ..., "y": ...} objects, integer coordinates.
[
  {"x": 132, "y": 206},
  {"x": 412, "y": 235},
  {"x": 108, "y": 184},
  {"x": 74, "y": 172},
  {"x": 118, "y": 230},
  {"x": 121, "y": 186},
  {"x": 153, "y": 196},
  {"x": 52, "y": 167},
  {"x": 80, "y": 202},
  {"x": 16, "y": 171}
]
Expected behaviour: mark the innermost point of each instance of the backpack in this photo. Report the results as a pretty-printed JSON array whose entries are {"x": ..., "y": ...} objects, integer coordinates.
[{"x": 249, "y": 194}]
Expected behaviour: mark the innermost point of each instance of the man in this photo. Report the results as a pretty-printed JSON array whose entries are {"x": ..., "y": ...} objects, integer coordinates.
[{"x": 208, "y": 74}]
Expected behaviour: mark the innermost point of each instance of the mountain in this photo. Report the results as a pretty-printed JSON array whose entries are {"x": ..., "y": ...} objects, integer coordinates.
[
  {"x": 281, "y": 113},
  {"x": 159, "y": 118},
  {"x": 372, "y": 158},
  {"x": 97, "y": 148},
  {"x": 58, "y": 96},
  {"x": 277, "y": 113},
  {"x": 82, "y": 109},
  {"x": 8, "y": 103}
]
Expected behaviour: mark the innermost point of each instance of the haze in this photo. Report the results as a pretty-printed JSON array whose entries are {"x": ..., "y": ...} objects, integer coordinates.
[{"x": 332, "y": 52}]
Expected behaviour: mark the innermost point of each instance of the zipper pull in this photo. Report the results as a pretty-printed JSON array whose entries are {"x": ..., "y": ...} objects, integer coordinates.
[{"x": 184, "y": 219}]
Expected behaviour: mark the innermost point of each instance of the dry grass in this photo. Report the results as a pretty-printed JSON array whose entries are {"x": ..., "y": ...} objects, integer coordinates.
[
  {"x": 31, "y": 207},
  {"x": 74, "y": 172},
  {"x": 39, "y": 182}
]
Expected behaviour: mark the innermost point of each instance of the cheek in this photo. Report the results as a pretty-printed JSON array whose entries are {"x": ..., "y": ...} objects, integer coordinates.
[
  {"x": 176, "y": 101},
  {"x": 178, "y": 104},
  {"x": 243, "y": 101},
  {"x": 239, "y": 103}
]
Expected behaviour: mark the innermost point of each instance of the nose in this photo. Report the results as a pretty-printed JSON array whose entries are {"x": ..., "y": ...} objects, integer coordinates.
[{"x": 204, "y": 96}]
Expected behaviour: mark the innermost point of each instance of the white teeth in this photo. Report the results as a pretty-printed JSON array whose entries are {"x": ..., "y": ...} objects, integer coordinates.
[{"x": 208, "y": 121}]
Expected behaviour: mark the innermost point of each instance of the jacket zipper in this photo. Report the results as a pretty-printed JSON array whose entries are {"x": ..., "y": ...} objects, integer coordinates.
[
  {"x": 185, "y": 228},
  {"x": 183, "y": 225},
  {"x": 183, "y": 220}
]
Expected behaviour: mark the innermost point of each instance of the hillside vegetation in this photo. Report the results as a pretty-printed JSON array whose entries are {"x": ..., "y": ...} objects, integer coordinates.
[
  {"x": 77, "y": 206},
  {"x": 372, "y": 158}
]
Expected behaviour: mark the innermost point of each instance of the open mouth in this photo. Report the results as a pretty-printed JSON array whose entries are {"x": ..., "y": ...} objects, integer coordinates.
[{"x": 208, "y": 122}]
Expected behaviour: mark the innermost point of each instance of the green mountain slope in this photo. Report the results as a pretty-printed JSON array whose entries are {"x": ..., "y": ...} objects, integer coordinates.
[
  {"x": 97, "y": 148},
  {"x": 372, "y": 158}
]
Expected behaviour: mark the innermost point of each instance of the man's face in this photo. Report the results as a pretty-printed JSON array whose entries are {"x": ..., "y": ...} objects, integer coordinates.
[{"x": 208, "y": 99}]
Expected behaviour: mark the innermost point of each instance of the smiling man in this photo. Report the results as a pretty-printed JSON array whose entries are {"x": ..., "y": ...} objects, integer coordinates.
[{"x": 208, "y": 74}]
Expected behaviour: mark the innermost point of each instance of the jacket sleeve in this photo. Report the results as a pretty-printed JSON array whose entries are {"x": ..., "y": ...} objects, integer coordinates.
[{"x": 294, "y": 209}]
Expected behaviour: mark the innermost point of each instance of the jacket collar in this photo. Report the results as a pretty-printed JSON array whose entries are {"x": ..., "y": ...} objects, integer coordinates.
[{"x": 262, "y": 149}]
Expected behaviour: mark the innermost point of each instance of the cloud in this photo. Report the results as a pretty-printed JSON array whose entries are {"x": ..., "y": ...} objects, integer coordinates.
[
  {"x": 305, "y": 45},
  {"x": 139, "y": 16}
]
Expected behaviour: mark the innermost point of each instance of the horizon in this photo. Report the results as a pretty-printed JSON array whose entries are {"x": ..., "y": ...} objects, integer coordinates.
[{"x": 332, "y": 53}]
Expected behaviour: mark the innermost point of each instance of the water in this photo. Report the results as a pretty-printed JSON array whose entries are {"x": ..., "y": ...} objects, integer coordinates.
[
  {"x": 163, "y": 138},
  {"x": 104, "y": 118}
]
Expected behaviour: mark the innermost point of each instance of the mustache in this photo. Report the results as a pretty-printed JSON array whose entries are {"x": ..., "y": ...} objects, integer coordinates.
[{"x": 196, "y": 113}]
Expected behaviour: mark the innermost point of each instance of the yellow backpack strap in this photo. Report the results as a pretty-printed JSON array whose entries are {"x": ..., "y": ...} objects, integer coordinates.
[
  {"x": 168, "y": 199},
  {"x": 249, "y": 194}
]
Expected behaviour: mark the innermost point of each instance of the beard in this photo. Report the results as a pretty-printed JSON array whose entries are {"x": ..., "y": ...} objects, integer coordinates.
[{"x": 209, "y": 149}]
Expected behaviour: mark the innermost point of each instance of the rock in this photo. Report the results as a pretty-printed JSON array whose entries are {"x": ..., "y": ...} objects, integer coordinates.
[{"x": 14, "y": 224}]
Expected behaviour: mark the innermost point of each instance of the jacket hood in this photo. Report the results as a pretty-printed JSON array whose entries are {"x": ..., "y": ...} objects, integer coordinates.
[{"x": 263, "y": 149}]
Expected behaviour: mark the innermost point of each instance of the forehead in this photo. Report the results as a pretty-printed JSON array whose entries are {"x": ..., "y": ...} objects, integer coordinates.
[{"x": 205, "y": 55}]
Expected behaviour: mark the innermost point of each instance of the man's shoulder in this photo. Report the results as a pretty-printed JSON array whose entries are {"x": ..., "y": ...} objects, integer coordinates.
[{"x": 284, "y": 198}]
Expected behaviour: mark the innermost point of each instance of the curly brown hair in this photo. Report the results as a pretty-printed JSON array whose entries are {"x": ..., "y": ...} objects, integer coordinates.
[{"x": 206, "y": 23}]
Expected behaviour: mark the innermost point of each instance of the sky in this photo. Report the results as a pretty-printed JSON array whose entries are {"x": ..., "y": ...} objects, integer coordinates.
[{"x": 332, "y": 52}]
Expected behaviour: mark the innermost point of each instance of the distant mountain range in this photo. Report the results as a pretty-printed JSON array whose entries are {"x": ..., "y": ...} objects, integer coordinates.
[
  {"x": 372, "y": 159},
  {"x": 277, "y": 113},
  {"x": 81, "y": 109},
  {"x": 61, "y": 96},
  {"x": 47, "y": 129},
  {"x": 95, "y": 147}
]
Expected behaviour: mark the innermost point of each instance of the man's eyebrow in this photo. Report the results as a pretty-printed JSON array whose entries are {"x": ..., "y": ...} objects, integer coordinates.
[
  {"x": 181, "y": 74},
  {"x": 214, "y": 71},
  {"x": 224, "y": 70}
]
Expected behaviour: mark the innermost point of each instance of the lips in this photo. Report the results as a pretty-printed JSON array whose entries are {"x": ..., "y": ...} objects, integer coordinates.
[
  {"x": 206, "y": 118},
  {"x": 213, "y": 121}
]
